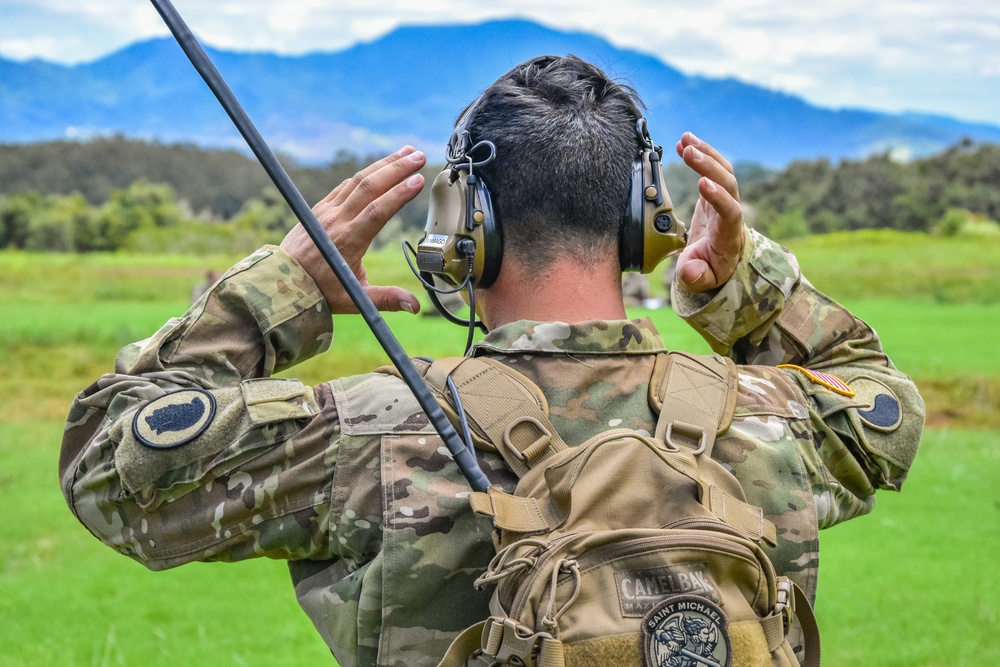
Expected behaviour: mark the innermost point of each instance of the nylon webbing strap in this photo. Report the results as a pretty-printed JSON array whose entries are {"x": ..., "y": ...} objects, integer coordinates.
[
  {"x": 463, "y": 646},
  {"x": 696, "y": 397},
  {"x": 504, "y": 406},
  {"x": 746, "y": 518},
  {"x": 810, "y": 629},
  {"x": 773, "y": 626},
  {"x": 516, "y": 514}
]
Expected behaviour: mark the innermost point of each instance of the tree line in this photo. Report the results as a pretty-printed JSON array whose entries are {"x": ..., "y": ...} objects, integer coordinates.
[
  {"x": 938, "y": 193},
  {"x": 119, "y": 194}
]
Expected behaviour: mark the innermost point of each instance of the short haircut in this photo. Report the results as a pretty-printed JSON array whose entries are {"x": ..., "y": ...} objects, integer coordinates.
[{"x": 565, "y": 136}]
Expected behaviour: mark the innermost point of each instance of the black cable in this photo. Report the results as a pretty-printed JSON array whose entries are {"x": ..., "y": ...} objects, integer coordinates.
[
  {"x": 426, "y": 280},
  {"x": 465, "y": 459},
  {"x": 473, "y": 320},
  {"x": 428, "y": 285},
  {"x": 462, "y": 417}
]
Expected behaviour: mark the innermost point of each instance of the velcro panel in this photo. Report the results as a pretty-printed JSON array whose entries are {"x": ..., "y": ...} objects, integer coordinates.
[
  {"x": 140, "y": 466},
  {"x": 618, "y": 650},
  {"x": 229, "y": 436},
  {"x": 749, "y": 645},
  {"x": 889, "y": 422}
]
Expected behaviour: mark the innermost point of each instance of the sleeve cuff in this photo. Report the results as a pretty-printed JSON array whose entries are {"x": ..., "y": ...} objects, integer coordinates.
[{"x": 751, "y": 299}]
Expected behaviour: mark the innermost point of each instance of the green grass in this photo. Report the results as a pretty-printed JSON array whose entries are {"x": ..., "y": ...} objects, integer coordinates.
[
  {"x": 928, "y": 339},
  {"x": 912, "y": 584},
  {"x": 67, "y": 600},
  {"x": 882, "y": 263}
]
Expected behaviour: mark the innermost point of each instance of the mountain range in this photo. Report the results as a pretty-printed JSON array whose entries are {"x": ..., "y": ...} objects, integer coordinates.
[{"x": 408, "y": 86}]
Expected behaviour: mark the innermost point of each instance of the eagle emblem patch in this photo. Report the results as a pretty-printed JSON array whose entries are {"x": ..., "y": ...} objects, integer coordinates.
[
  {"x": 686, "y": 631},
  {"x": 174, "y": 419}
]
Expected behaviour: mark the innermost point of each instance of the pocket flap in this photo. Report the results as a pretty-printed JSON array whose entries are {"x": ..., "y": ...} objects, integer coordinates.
[{"x": 277, "y": 399}]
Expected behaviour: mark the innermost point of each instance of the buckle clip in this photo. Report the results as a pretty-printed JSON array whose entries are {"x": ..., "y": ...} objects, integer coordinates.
[
  {"x": 785, "y": 604},
  {"x": 508, "y": 642}
]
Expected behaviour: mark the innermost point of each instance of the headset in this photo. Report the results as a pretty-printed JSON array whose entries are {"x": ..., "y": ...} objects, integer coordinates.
[{"x": 462, "y": 245}]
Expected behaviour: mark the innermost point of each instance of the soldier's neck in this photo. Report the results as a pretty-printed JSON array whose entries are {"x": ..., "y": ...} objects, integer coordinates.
[{"x": 565, "y": 291}]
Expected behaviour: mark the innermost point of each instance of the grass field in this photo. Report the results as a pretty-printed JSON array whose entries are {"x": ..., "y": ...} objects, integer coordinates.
[{"x": 912, "y": 584}]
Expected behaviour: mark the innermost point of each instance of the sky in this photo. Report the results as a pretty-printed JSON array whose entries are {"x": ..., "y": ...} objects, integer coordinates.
[{"x": 931, "y": 56}]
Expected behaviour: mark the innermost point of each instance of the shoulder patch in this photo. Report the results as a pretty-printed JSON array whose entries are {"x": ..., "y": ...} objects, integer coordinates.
[
  {"x": 885, "y": 414},
  {"x": 174, "y": 419},
  {"x": 831, "y": 382},
  {"x": 881, "y": 410}
]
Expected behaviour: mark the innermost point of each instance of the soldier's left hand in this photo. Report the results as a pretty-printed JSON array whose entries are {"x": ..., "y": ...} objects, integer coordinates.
[
  {"x": 352, "y": 214},
  {"x": 716, "y": 234}
]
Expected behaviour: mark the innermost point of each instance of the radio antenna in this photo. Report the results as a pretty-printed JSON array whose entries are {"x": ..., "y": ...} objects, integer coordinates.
[{"x": 463, "y": 454}]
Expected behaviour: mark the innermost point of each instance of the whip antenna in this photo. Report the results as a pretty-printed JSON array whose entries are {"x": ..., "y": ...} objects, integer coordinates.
[{"x": 463, "y": 454}]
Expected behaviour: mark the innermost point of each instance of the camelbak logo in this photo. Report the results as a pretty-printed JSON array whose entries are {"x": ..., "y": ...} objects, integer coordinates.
[
  {"x": 174, "y": 419},
  {"x": 686, "y": 631},
  {"x": 641, "y": 590}
]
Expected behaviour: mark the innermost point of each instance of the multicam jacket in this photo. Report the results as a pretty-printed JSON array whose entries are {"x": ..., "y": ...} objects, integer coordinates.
[{"x": 191, "y": 450}]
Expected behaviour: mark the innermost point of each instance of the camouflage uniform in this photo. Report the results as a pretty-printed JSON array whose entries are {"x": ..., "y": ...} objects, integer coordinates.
[{"x": 348, "y": 481}]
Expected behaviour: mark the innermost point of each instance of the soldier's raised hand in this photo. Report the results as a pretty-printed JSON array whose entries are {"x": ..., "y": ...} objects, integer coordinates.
[
  {"x": 716, "y": 234},
  {"x": 352, "y": 214}
]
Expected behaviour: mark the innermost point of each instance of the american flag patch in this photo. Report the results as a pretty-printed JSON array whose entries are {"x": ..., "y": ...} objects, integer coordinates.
[{"x": 831, "y": 382}]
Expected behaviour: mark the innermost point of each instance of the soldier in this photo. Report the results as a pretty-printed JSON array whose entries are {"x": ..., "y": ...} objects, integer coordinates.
[
  {"x": 635, "y": 289},
  {"x": 347, "y": 480}
]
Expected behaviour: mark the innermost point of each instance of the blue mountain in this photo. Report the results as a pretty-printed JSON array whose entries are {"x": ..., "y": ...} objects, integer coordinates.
[{"x": 408, "y": 86}]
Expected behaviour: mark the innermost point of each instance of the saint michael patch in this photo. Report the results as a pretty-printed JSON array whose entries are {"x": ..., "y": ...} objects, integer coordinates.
[
  {"x": 174, "y": 419},
  {"x": 686, "y": 631}
]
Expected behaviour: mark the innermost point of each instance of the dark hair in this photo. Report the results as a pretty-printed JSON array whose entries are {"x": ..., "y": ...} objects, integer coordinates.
[{"x": 565, "y": 140}]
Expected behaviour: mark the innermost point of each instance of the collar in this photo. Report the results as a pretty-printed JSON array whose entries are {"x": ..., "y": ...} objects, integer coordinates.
[{"x": 610, "y": 337}]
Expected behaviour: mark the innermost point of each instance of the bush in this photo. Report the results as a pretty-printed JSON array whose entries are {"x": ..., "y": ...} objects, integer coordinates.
[{"x": 959, "y": 222}]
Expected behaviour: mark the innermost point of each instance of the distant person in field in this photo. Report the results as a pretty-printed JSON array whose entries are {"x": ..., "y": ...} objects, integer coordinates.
[
  {"x": 348, "y": 482},
  {"x": 211, "y": 277}
]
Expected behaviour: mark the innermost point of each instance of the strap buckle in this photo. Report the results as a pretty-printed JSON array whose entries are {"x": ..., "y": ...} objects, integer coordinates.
[
  {"x": 785, "y": 604},
  {"x": 506, "y": 641}
]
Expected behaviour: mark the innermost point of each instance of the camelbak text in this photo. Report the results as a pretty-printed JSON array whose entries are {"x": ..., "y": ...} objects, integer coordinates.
[{"x": 640, "y": 590}]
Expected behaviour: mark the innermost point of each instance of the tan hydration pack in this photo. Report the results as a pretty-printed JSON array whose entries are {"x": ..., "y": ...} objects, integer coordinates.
[{"x": 626, "y": 550}]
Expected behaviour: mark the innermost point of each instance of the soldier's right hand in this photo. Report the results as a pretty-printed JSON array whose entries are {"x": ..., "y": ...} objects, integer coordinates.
[{"x": 352, "y": 214}]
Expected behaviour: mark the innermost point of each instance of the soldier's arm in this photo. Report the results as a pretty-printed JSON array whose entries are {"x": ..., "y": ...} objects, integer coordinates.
[
  {"x": 753, "y": 305},
  {"x": 191, "y": 450},
  {"x": 769, "y": 314}
]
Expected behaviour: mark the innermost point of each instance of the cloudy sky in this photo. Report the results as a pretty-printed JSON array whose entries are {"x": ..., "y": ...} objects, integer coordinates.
[{"x": 938, "y": 56}]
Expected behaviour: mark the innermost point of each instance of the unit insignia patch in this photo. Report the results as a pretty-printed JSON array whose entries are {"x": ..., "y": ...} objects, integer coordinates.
[
  {"x": 686, "y": 631},
  {"x": 174, "y": 419},
  {"x": 883, "y": 411}
]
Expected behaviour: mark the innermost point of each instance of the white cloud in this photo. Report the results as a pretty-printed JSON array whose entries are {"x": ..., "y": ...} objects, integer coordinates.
[{"x": 891, "y": 54}]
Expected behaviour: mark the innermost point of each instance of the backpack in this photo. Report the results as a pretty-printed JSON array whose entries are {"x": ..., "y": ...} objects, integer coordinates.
[{"x": 589, "y": 570}]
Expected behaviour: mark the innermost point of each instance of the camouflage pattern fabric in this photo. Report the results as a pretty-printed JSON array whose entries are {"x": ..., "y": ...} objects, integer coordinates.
[{"x": 348, "y": 481}]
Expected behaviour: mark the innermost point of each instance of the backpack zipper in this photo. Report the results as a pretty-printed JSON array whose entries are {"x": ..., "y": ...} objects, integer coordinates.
[{"x": 630, "y": 547}]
